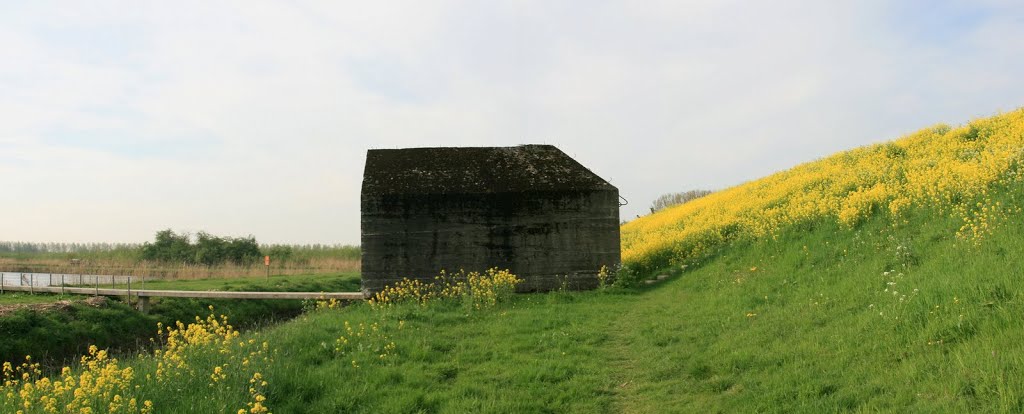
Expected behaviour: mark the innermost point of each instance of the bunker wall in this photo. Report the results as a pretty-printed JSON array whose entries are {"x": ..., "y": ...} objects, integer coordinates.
[{"x": 547, "y": 239}]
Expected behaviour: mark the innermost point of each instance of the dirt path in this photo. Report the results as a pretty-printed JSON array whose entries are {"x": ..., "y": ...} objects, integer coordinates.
[{"x": 96, "y": 301}]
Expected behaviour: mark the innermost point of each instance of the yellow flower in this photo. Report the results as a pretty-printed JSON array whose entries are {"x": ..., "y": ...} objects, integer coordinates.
[{"x": 950, "y": 170}]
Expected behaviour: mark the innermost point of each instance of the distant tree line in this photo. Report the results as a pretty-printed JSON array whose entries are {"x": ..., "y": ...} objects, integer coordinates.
[
  {"x": 169, "y": 247},
  {"x": 300, "y": 253},
  {"x": 674, "y": 199},
  {"x": 30, "y": 247},
  {"x": 209, "y": 250}
]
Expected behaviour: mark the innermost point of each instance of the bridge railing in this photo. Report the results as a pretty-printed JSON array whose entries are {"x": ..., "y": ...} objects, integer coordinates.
[{"x": 143, "y": 295}]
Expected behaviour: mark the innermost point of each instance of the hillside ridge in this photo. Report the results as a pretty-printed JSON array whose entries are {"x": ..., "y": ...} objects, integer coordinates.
[{"x": 954, "y": 169}]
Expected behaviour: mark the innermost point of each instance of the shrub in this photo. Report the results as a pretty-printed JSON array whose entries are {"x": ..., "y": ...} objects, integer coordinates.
[
  {"x": 208, "y": 250},
  {"x": 476, "y": 290}
]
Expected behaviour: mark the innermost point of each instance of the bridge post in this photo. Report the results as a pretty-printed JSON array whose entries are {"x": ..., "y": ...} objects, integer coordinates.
[
  {"x": 32, "y": 283},
  {"x": 2, "y": 282},
  {"x": 143, "y": 304}
]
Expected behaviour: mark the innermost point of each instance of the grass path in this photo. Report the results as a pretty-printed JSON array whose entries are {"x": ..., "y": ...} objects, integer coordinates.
[{"x": 637, "y": 327}]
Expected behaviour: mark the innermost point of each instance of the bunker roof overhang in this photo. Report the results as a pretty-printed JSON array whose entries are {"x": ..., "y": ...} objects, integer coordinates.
[{"x": 476, "y": 170}]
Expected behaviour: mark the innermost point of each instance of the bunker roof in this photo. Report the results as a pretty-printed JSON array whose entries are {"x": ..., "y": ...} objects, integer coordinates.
[{"x": 476, "y": 170}]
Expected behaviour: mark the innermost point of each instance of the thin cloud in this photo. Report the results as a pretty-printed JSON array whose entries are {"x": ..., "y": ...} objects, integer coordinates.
[{"x": 254, "y": 117}]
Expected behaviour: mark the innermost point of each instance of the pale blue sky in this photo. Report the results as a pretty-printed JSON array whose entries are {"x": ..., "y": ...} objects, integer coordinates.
[{"x": 252, "y": 117}]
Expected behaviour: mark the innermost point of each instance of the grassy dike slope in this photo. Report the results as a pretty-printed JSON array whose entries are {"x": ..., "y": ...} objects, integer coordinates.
[
  {"x": 877, "y": 318},
  {"x": 894, "y": 286}
]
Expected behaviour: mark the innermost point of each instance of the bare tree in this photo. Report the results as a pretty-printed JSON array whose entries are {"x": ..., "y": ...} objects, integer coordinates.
[{"x": 672, "y": 199}]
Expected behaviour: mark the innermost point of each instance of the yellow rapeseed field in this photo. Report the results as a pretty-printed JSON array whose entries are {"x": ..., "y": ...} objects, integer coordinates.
[
  {"x": 101, "y": 383},
  {"x": 950, "y": 169}
]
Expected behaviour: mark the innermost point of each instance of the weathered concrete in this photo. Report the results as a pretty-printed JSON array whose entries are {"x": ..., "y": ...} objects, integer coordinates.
[{"x": 557, "y": 225}]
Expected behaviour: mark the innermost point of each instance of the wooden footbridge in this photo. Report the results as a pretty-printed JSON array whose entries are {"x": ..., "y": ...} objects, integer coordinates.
[{"x": 143, "y": 295}]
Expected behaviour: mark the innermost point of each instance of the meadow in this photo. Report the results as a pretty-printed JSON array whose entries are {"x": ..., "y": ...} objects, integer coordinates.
[
  {"x": 18, "y": 298},
  {"x": 126, "y": 260},
  {"x": 880, "y": 279}
]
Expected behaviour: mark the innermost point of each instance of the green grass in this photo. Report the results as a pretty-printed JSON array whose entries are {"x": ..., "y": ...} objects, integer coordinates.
[
  {"x": 807, "y": 322},
  {"x": 347, "y": 282},
  {"x": 767, "y": 326},
  {"x": 24, "y": 298},
  {"x": 53, "y": 337},
  {"x": 817, "y": 330},
  {"x": 56, "y": 336}
]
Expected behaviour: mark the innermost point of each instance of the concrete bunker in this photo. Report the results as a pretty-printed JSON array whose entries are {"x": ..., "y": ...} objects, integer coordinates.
[{"x": 531, "y": 209}]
